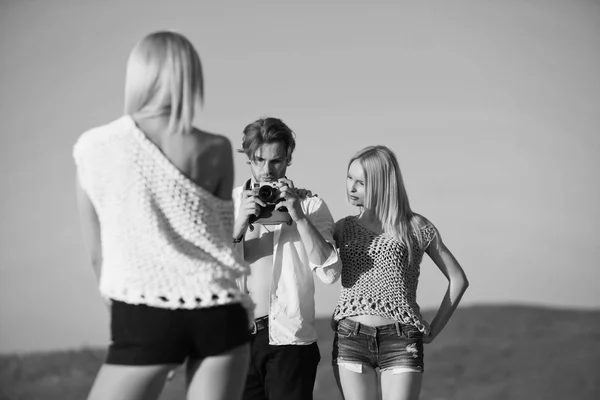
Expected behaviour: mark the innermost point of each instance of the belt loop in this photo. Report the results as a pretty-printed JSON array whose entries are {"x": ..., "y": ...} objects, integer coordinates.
[
  {"x": 398, "y": 330},
  {"x": 356, "y": 328}
]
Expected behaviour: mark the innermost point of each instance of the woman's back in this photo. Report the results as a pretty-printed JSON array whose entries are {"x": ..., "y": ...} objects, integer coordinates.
[
  {"x": 204, "y": 158},
  {"x": 154, "y": 195},
  {"x": 166, "y": 235}
]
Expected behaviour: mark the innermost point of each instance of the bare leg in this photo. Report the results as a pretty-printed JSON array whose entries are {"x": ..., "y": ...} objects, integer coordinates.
[
  {"x": 358, "y": 385},
  {"x": 127, "y": 382},
  {"x": 401, "y": 386},
  {"x": 219, "y": 377},
  {"x": 336, "y": 375}
]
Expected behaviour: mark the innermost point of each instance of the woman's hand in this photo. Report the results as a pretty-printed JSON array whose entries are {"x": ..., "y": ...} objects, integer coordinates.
[
  {"x": 304, "y": 193},
  {"x": 427, "y": 339}
]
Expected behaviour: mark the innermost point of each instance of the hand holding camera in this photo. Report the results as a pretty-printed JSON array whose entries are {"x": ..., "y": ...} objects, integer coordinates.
[
  {"x": 269, "y": 203},
  {"x": 268, "y": 192},
  {"x": 269, "y": 197}
]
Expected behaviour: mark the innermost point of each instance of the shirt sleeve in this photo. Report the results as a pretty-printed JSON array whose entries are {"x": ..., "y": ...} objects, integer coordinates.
[
  {"x": 428, "y": 233},
  {"x": 322, "y": 220}
]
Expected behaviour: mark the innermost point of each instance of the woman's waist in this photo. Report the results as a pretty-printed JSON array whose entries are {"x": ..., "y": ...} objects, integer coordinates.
[
  {"x": 372, "y": 320},
  {"x": 377, "y": 299},
  {"x": 173, "y": 298},
  {"x": 365, "y": 314},
  {"x": 399, "y": 328},
  {"x": 377, "y": 312}
]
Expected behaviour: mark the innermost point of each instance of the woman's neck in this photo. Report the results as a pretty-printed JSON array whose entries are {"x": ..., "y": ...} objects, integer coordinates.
[
  {"x": 367, "y": 215},
  {"x": 368, "y": 218},
  {"x": 153, "y": 126}
]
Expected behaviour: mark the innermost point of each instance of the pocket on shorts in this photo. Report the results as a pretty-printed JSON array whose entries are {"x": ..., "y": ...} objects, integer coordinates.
[
  {"x": 343, "y": 331},
  {"x": 396, "y": 351},
  {"x": 408, "y": 333},
  {"x": 412, "y": 333}
]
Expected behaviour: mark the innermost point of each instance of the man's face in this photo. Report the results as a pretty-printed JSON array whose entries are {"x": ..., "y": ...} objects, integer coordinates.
[{"x": 270, "y": 162}]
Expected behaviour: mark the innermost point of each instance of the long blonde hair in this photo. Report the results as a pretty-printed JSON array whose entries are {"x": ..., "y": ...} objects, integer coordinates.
[
  {"x": 385, "y": 195},
  {"x": 164, "y": 78}
]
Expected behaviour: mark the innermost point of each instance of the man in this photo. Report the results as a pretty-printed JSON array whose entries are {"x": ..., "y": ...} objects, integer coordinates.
[{"x": 283, "y": 257}]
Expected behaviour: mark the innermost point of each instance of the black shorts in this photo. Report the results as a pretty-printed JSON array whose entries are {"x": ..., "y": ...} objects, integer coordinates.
[{"x": 144, "y": 335}]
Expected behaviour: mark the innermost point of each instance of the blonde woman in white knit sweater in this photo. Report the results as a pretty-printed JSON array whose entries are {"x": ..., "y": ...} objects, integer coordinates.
[{"x": 155, "y": 203}]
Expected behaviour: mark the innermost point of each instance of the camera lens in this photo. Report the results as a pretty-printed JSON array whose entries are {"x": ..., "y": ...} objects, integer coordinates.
[{"x": 267, "y": 193}]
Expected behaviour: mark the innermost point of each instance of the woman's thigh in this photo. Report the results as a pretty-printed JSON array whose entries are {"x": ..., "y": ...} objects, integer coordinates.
[
  {"x": 127, "y": 382},
  {"x": 219, "y": 377},
  {"x": 358, "y": 385},
  {"x": 401, "y": 385}
]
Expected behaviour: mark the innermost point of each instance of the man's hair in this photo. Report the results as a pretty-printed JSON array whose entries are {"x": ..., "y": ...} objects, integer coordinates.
[
  {"x": 267, "y": 130},
  {"x": 164, "y": 78},
  {"x": 386, "y": 195}
]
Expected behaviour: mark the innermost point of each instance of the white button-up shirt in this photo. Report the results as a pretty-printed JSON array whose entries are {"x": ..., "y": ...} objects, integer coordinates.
[{"x": 292, "y": 302}]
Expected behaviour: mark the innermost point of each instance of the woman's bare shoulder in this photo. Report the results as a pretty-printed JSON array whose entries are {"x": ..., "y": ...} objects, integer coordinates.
[
  {"x": 421, "y": 221},
  {"x": 209, "y": 140}
]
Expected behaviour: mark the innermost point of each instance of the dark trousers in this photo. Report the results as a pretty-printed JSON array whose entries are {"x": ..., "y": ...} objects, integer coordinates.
[{"x": 281, "y": 372}]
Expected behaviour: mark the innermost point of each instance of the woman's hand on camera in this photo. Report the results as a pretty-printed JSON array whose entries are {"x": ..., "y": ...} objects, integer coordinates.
[{"x": 304, "y": 193}]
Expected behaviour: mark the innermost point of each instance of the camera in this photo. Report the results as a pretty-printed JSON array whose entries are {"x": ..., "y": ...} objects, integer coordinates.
[{"x": 268, "y": 192}]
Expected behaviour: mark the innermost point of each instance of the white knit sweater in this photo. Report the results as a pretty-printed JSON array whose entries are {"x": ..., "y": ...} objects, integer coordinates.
[{"x": 166, "y": 242}]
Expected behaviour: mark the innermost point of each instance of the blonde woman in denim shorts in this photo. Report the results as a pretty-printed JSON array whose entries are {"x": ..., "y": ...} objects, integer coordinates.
[{"x": 380, "y": 332}]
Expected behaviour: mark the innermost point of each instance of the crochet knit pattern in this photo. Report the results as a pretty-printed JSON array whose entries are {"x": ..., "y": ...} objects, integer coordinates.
[
  {"x": 376, "y": 276},
  {"x": 166, "y": 242}
]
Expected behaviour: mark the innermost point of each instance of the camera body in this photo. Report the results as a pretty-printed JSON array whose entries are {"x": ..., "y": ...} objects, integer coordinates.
[{"x": 269, "y": 193}]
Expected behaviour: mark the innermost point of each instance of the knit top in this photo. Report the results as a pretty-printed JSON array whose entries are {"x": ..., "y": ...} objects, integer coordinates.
[
  {"x": 166, "y": 242},
  {"x": 377, "y": 278}
]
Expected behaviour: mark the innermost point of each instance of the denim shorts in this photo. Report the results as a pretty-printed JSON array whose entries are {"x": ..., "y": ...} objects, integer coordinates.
[{"x": 397, "y": 347}]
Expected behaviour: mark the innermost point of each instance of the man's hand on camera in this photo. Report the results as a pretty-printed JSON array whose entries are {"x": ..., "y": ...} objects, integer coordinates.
[
  {"x": 250, "y": 206},
  {"x": 290, "y": 199}
]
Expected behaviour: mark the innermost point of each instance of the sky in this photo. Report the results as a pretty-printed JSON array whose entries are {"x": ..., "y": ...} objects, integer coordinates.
[{"x": 492, "y": 108}]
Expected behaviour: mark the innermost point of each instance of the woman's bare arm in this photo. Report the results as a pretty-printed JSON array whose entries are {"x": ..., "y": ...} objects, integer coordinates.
[
  {"x": 457, "y": 285},
  {"x": 90, "y": 225}
]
